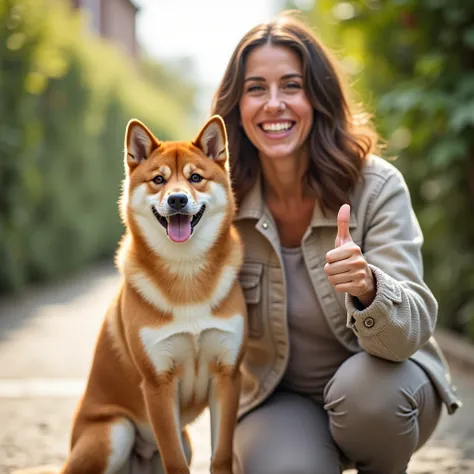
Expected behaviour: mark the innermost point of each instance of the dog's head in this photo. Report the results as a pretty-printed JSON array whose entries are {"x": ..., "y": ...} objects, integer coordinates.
[{"x": 177, "y": 191}]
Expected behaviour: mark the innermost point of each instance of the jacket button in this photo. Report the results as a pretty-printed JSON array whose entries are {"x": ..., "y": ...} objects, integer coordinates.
[
  {"x": 265, "y": 225},
  {"x": 369, "y": 322}
]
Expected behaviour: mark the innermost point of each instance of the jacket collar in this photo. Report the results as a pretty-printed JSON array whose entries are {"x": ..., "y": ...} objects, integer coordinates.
[{"x": 253, "y": 207}]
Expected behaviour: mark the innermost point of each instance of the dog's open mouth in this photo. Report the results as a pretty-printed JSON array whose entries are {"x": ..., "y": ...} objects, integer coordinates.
[{"x": 179, "y": 227}]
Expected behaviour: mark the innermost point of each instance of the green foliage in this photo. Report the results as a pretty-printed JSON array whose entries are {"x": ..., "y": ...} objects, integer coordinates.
[
  {"x": 412, "y": 61},
  {"x": 65, "y": 99},
  {"x": 174, "y": 78}
]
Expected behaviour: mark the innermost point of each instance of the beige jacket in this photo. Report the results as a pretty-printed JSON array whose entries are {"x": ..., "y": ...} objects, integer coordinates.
[{"x": 398, "y": 325}]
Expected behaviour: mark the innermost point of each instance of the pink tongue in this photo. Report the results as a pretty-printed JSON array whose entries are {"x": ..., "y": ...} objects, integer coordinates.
[{"x": 179, "y": 227}]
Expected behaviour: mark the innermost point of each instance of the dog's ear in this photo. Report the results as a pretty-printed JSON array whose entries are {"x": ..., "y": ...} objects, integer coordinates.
[
  {"x": 139, "y": 143},
  {"x": 212, "y": 139}
]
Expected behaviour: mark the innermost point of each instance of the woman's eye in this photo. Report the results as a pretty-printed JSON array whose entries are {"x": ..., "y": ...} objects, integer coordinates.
[
  {"x": 195, "y": 178},
  {"x": 255, "y": 88},
  {"x": 293, "y": 85},
  {"x": 158, "y": 180}
]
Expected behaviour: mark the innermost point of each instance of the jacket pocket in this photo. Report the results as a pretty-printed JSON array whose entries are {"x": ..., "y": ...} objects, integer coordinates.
[{"x": 250, "y": 279}]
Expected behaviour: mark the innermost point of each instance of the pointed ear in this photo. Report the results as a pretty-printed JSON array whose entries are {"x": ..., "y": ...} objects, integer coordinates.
[
  {"x": 212, "y": 139},
  {"x": 139, "y": 142}
]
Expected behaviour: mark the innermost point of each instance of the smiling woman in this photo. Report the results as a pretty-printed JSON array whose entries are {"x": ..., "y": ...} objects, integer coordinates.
[
  {"x": 275, "y": 112},
  {"x": 275, "y": 84},
  {"x": 340, "y": 318}
]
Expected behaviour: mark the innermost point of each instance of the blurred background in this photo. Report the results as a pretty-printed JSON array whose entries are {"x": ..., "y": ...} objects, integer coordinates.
[{"x": 73, "y": 72}]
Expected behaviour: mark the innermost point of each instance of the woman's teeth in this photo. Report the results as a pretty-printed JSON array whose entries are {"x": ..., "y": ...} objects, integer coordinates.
[{"x": 276, "y": 127}]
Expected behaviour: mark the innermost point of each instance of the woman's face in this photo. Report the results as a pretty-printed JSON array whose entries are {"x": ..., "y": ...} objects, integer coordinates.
[{"x": 275, "y": 112}]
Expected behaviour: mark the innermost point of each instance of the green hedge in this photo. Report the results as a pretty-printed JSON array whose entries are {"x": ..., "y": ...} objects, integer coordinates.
[
  {"x": 413, "y": 62},
  {"x": 65, "y": 98}
]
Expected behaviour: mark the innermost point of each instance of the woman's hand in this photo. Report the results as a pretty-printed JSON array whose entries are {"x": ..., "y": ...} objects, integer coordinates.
[{"x": 346, "y": 267}]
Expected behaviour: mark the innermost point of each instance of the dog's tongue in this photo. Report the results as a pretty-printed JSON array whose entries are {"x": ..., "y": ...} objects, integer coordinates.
[{"x": 179, "y": 227}]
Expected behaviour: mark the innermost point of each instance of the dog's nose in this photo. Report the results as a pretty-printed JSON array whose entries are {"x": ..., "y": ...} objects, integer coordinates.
[{"x": 177, "y": 201}]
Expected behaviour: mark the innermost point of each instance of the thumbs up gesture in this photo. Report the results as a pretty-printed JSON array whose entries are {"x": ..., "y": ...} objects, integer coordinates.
[{"x": 346, "y": 267}]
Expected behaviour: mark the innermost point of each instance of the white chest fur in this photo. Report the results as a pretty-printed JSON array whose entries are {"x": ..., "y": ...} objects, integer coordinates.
[
  {"x": 195, "y": 338},
  {"x": 191, "y": 343}
]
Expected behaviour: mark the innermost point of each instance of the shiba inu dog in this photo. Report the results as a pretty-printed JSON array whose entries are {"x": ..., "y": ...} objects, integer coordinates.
[{"x": 173, "y": 338}]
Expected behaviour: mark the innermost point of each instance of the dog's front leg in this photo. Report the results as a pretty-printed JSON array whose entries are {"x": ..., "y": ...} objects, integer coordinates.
[
  {"x": 162, "y": 404},
  {"x": 223, "y": 407}
]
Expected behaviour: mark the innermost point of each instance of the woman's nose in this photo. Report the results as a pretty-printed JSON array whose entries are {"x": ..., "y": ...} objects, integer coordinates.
[{"x": 274, "y": 103}]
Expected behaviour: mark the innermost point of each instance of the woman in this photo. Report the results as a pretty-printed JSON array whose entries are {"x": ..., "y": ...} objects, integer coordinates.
[{"x": 341, "y": 368}]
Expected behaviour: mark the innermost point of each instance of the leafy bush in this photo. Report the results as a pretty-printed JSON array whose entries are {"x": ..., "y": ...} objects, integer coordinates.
[{"x": 65, "y": 99}]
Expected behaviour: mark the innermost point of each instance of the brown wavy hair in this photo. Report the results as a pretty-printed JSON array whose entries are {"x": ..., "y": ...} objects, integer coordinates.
[{"x": 341, "y": 136}]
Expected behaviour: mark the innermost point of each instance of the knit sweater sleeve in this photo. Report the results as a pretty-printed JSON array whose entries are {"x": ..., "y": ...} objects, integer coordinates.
[{"x": 403, "y": 315}]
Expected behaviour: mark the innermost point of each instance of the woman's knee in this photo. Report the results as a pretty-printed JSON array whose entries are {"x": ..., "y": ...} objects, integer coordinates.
[
  {"x": 373, "y": 390},
  {"x": 373, "y": 403},
  {"x": 364, "y": 386}
]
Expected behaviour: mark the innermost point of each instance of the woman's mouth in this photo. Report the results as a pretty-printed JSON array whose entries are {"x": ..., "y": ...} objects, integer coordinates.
[{"x": 277, "y": 129}]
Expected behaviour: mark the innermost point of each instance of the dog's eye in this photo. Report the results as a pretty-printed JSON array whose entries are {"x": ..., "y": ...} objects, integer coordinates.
[
  {"x": 195, "y": 178},
  {"x": 158, "y": 180}
]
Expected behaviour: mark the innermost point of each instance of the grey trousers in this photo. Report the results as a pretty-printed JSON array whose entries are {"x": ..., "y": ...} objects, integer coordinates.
[{"x": 375, "y": 415}]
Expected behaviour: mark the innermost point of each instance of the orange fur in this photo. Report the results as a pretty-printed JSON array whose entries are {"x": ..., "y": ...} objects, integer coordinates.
[{"x": 173, "y": 338}]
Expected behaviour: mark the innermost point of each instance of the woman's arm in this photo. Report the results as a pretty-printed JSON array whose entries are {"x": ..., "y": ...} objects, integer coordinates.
[{"x": 403, "y": 314}]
